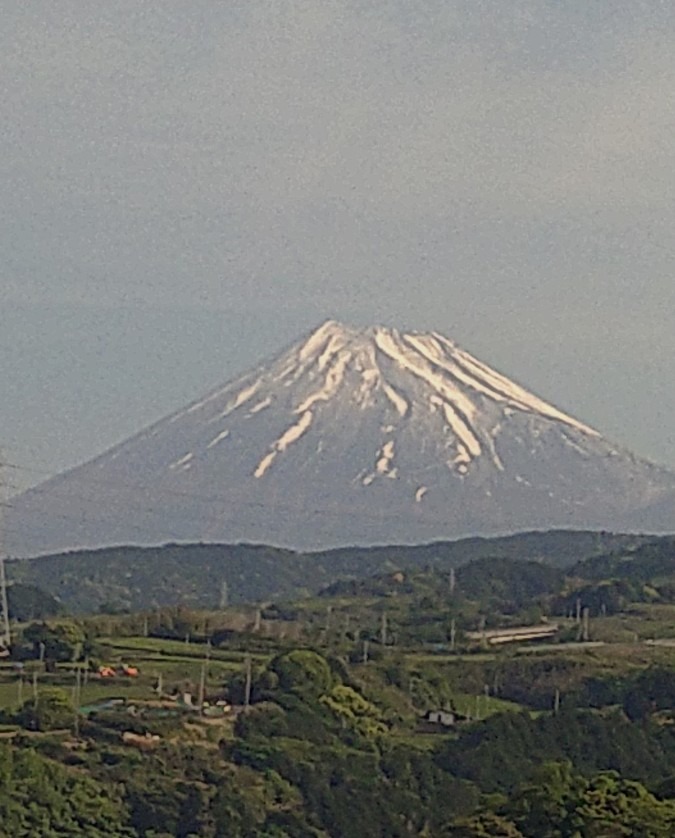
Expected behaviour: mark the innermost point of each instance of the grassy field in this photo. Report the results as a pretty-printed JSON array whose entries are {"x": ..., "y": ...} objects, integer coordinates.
[
  {"x": 11, "y": 694},
  {"x": 149, "y": 647},
  {"x": 178, "y": 664},
  {"x": 448, "y": 657},
  {"x": 641, "y": 622},
  {"x": 482, "y": 706}
]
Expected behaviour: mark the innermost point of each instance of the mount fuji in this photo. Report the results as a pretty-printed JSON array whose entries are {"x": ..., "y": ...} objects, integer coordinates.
[{"x": 351, "y": 436}]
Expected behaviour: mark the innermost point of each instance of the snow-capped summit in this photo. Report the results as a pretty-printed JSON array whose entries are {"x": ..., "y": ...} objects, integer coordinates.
[{"x": 351, "y": 436}]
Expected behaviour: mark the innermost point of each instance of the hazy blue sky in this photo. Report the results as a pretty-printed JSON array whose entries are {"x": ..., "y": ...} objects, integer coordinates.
[{"x": 188, "y": 186}]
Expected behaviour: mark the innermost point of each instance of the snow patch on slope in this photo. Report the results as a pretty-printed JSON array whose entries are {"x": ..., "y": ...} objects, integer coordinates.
[
  {"x": 334, "y": 378},
  {"x": 183, "y": 463},
  {"x": 461, "y": 430},
  {"x": 385, "y": 458},
  {"x": 319, "y": 345},
  {"x": 520, "y": 396},
  {"x": 221, "y": 436},
  {"x": 290, "y": 436},
  {"x": 260, "y": 406},
  {"x": 401, "y": 404},
  {"x": 241, "y": 398},
  {"x": 458, "y": 409}
]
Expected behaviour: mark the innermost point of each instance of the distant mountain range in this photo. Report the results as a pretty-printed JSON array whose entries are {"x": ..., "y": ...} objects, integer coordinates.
[
  {"x": 351, "y": 436},
  {"x": 207, "y": 575}
]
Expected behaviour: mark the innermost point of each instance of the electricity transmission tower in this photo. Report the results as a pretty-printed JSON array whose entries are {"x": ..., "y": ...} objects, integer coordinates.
[{"x": 5, "y": 636}]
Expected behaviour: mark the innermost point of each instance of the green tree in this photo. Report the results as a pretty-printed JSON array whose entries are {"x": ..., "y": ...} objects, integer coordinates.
[
  {"x": 51, "y": 710},
  {"x": 653, "y": 689},
  {"x": 58, "y": 641},
  {"x": 264, "y": 719},
  {"x": 39, "y": 797},
  {"x": 354, "y": 711},
  {"x": 483, "y": 825},
  {"x": 611, "y": 805},
  {"x": 303, "y": 672},
  {"x": 561, "y": 804},
  {"x": 544, "y": 806}
]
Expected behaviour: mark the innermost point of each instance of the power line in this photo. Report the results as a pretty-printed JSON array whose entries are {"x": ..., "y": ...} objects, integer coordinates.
[{"x": 205, "y": 519}]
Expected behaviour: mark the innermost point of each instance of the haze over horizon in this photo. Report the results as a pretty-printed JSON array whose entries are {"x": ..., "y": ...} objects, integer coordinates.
[{"x": 189, "y": 187}]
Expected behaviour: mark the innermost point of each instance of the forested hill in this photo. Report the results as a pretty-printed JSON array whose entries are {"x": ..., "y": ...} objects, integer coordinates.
[
  {"x": 206, "y": 575},
  {"x": 646, "y": 561}
]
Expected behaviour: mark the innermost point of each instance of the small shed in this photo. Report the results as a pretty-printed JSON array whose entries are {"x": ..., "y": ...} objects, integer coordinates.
[{"x": 445, "y": 718}]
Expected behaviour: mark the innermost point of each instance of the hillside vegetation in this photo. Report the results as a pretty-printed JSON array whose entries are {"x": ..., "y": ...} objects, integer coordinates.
[
  {"x": 380, "y": 706},
  {"x": 198, "y": 575}
]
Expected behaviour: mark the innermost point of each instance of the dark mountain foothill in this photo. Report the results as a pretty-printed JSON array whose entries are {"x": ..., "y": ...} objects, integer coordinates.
[{"x": 203, "y": 575}]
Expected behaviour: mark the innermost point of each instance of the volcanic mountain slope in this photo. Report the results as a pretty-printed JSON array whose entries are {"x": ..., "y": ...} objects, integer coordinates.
[{"x": 350, "y": 436}]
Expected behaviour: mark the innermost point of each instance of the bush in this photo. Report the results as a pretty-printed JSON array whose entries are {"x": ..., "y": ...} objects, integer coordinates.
[
  {"x": 264, "y": 719},
  {"x": 51, "y": 710}
]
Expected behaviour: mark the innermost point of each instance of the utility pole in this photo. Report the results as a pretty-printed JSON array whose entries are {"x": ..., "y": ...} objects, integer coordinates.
[
  {"x": 77, "y": 689},
  {"x": 585, "y": 634},
  {"x": 202, "y": 679},
  {"x": 224, "y": 595},
  {"x": 247, "y": 686},
  {"x": 202, "y": 689},
  {"x": 383, "y": 630},
  {"x": 346, "y": 628},
  {"x": 5, "y": 634},
  {"x": 453, "y": 634},
  {"x": 453, "y": 580}
]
